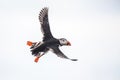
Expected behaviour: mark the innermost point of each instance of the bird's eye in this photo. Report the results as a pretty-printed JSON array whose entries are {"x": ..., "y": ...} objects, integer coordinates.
[{"x": 63, "y": 40}]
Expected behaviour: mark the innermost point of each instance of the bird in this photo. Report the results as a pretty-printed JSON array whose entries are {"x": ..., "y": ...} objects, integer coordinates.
[{"x": 49, "y": 42}]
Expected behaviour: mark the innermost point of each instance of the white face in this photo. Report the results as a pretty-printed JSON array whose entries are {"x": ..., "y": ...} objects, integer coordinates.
[{"x": 63, "y": 41}]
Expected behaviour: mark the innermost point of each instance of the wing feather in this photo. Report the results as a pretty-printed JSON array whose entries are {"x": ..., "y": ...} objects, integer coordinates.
[
  {"x": 45, "y": 28},
  {"x": 58, "y": 52}
]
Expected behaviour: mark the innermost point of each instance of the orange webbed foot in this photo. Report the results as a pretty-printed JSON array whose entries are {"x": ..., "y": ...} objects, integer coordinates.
[
  {"x": 29, "y": 43},
  {"x": 36, "y": 59}
]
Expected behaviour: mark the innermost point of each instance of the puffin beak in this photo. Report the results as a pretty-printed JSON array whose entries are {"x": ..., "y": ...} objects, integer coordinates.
[{"x": 68, "y": 43}]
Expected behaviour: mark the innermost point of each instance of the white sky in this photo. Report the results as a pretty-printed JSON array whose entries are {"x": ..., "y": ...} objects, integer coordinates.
[{"x": 92, "y": 27}]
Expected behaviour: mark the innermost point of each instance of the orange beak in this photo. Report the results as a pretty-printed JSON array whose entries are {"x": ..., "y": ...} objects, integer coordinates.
[{"x": 68, "y": 43}]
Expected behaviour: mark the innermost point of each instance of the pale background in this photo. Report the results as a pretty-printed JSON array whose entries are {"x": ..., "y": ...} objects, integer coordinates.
[{"x": 92, "y": 27}]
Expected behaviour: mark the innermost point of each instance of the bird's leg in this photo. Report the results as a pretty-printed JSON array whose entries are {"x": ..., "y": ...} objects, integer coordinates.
[{"x": 38, "y": 56}]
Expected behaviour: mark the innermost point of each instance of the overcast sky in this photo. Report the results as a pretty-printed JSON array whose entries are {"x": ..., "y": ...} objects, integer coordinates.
[{"x": 92, "y": 27}]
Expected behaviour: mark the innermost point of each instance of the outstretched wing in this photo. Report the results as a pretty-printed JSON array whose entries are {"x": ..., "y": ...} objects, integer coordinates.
[
  {"x": 45, "y": 28},
  {"x": 58, "y": 52}
]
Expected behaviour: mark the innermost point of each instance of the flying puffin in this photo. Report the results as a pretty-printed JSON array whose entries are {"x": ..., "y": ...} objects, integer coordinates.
[{"x": 49, "y": 42}]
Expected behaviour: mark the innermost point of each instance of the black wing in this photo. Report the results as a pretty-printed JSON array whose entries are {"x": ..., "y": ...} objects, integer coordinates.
[
  {"x": 45, "y": 28},
  {"x": 58, "y": 52}
]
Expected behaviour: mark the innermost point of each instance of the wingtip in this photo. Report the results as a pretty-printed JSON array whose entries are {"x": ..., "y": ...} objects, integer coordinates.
[
  {"x": 74, "y": 59},
  {"x": 43, "y": 12}
]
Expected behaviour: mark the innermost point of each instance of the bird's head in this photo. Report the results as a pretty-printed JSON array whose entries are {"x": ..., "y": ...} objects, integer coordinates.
[{"x": 64, "y": 41}]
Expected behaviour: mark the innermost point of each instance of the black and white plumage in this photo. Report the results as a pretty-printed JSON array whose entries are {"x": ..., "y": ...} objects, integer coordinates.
[{"x": 49, "y": 42}]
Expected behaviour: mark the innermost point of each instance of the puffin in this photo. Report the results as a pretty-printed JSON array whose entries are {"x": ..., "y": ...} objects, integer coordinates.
[{"x": 49, "y": 42}]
